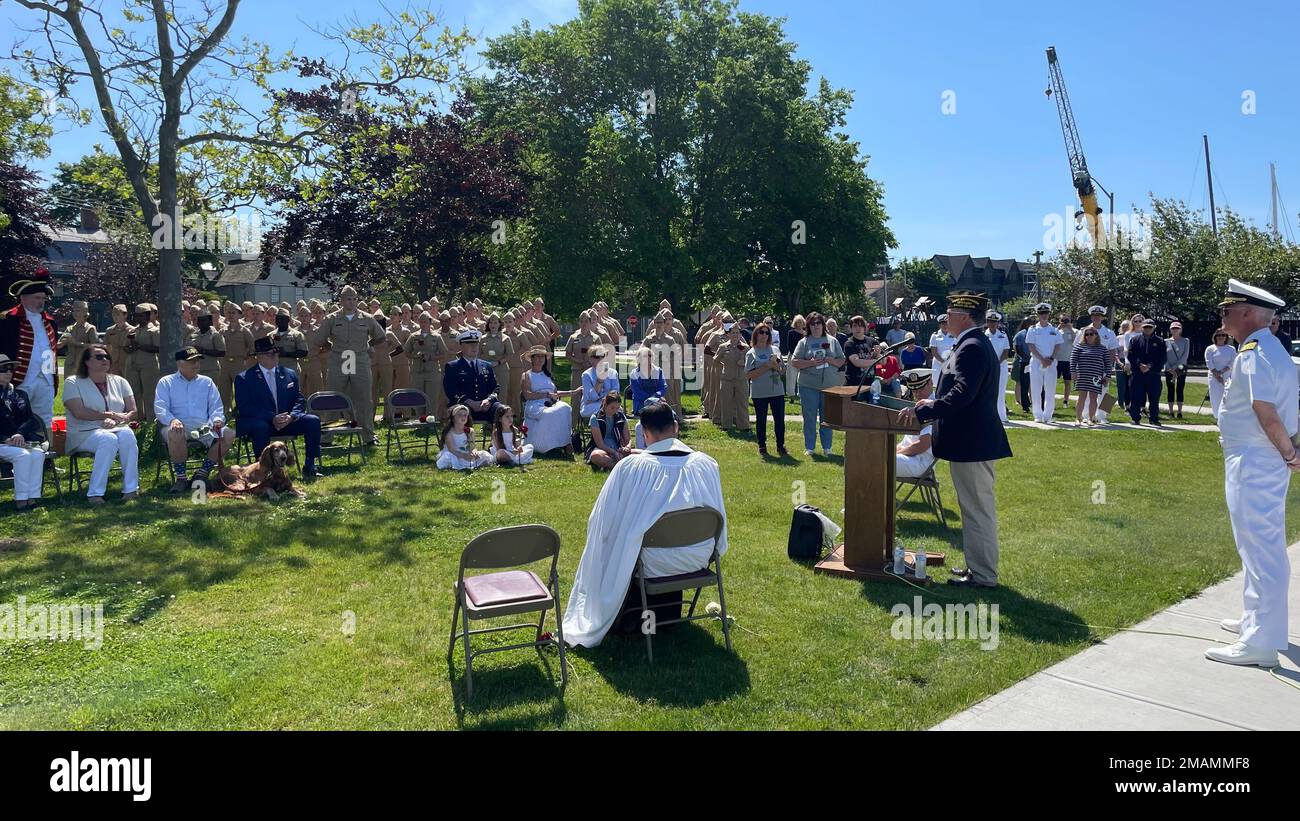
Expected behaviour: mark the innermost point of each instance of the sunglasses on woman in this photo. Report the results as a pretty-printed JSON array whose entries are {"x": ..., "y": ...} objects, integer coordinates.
[{"x": 102, "y": 357}]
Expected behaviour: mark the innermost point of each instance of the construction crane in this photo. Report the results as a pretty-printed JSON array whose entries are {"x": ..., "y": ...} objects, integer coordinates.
[{"x": 1079, "y": 175}]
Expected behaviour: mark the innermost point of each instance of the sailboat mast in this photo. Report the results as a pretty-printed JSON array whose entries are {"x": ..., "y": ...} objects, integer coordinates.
[{"x": 1209, "y": 181}]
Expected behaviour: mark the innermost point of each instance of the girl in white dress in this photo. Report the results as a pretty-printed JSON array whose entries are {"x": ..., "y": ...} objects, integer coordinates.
[
  {"x": 458, "y": 452},
  {"x": 508, "y": 441},
  {"x": 550, "y": 421}
]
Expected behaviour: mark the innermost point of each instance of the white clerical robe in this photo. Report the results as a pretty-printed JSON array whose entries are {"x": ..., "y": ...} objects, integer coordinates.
[{"x": 640, "y": 489}]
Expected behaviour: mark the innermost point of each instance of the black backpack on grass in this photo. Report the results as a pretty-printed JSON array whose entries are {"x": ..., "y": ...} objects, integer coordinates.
[{"x": 805, "y": 534}]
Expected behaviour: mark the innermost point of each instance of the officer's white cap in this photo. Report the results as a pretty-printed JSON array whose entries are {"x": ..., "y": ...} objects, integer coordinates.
[
  {"x": 1239, "y": 291},
  {"x": 1043, "y": 307},
  {"x": 993, "y": 315},
  {"x": 1097, "y": 309},
  {"x": 468, "y": 336}
]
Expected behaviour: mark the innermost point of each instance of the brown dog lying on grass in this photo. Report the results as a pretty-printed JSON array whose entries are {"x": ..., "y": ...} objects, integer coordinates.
[{"x": 266, "y": 477}]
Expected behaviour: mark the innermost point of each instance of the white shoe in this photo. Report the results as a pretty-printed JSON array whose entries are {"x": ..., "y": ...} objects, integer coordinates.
[
  {"x": 1243, "y": 654},
  {"x": 808, "y": 453},
  {"x": 1233, "y": 626}
]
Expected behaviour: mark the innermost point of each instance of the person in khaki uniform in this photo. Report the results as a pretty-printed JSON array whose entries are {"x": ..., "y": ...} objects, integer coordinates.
[
  {"x": 499, "y": 352},
  {"x": 209, "y": 342},
  {"x": 350, "y": 332},
  {"x": 576, "y": 352},
  {"x": 239, "y": 354},
  {"x": 77, "y": 336},
  {"x": 115, "y": 340},
  {"x": 733, "y": 383},
  {"x": 426, "y": 352},
  {"x": 259, "y": 327},
  {"x": 381, "y": 362},
  {"x": 668, "y": 356},
  {"x": 707, "y": 339},
  {"x": 317, "y": 365},
  {"x": 292, "y": 345},
  {"x": 515, "y": 368},
  {"x": 402, "y": 330},
  {"x": 142, "y": 371}
]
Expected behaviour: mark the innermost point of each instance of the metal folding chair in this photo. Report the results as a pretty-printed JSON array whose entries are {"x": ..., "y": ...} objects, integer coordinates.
[
  {"x": 48, "y": 473},
  {"x": 243, "y": 449},
  {"x": 507, "y": 592},
  {"x": 681, "y": 528},
  {"x": 164, "y": 456},
  {"x": 414, "y": 401},
  {"x": 928, "y": 484},
  {"x": 323, "y": 402}
]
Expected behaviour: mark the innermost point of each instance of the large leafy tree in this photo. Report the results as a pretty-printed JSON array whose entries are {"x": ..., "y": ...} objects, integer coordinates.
[
  {"x": 173, "y": 88},
  {"x": 24, "y": 212},
  {"x": 24, "y": 129},
  {"x": 402, "y": 204},
  {"x": 677, "y": 152}
]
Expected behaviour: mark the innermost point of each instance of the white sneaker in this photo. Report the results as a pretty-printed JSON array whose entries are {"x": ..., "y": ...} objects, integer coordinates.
[
  {"x": 1233, "y": 626},
  {"x": 1243, "y": 654},
  {"x": 808, "y": 453}
]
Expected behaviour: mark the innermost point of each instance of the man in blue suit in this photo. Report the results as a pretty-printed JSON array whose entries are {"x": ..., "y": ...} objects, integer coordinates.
[
  {"x": 470, "y": 381},
  {"x": 968, "y": 434},
  {"x": 271, "y": 404}
]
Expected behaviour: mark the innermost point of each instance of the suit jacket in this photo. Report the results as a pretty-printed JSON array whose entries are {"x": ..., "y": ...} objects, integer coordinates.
[
  {"x": 965, "y": 411},
  {"x": 254, "y": 399},
  {"x": 1147, "y": 350},
  {"x": 16, "y": 342},
  {"x": 16, "y": 416},
  {"x": 468, "y": 379}
]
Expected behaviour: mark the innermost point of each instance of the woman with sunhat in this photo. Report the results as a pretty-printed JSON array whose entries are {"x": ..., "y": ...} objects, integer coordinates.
[{"x": 550, "y": 421}]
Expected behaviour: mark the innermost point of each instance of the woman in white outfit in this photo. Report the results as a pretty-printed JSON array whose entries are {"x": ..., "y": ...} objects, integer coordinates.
[
  {"x": 22, "y": 437},
  {"x": 1218, "y": 362},
  {"x": 100, "y": 409},
  {"x": 550, "y": 421}
]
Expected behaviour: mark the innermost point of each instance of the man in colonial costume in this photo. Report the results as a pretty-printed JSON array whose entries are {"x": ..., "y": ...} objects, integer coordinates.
[{"x": 29, "y": 336}]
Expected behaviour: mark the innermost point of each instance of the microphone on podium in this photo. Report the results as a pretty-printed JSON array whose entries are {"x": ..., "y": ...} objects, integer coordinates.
[{"x": 870, "y": 369}]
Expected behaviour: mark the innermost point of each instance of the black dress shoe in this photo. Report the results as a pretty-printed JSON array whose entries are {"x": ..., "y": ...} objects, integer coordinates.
[
  {"x": 960, "y": 571},
  {"x": 312, "y": 473},
  {"x": 762, "y": 452},
  {"x": 782, "y": 452},
  {"x": 969, "y": 581}
]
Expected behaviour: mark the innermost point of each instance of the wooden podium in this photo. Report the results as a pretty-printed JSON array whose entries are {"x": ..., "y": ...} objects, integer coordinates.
[{"x": 869, "y": 433}]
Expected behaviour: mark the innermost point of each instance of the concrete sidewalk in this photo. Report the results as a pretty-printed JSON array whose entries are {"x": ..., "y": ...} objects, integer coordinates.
[{"x": 1135, "y": 681}]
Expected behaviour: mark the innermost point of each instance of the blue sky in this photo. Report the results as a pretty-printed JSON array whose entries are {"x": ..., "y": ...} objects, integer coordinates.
[{"x": 1146, "y": 79}]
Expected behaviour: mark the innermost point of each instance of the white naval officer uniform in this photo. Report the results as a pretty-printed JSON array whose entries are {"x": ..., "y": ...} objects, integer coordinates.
[
  {"x": 916, "y": 465},
  {"x": 1255, "y": 483},
  {"x": 998, "y": 339},
  {"x": 943, "y": 343},
  {"x": 1043, "y": 340}
]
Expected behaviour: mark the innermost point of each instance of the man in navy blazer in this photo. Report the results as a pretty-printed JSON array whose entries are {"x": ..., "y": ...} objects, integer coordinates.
[
  {"x": 968, "y": 433},
  {"x": 265, "y": 411}
]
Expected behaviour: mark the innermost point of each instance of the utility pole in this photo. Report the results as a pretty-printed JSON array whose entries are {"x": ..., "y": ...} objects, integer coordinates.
[
  {"x": 1038, "y": 273},
  {"x": 1209, "y": 181}
]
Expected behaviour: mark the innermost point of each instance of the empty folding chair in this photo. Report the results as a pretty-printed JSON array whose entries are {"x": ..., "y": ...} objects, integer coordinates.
[{"x": 507, "y": 592}]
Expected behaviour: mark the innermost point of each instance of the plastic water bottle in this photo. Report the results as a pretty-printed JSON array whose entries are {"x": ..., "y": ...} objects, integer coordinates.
[
  {"x": 920, "y": 564},
  {"x": 875, "y": 391},
  {"x": 900, "y": 560}
]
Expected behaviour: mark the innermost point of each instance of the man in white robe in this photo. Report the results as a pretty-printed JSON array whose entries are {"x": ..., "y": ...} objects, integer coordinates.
[{"x": 667, "y": 476}]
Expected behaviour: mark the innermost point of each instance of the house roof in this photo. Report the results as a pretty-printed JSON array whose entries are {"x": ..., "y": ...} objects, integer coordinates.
[
  {"x": 240, "y": 272},
  {"x": 63, "y": 233}
]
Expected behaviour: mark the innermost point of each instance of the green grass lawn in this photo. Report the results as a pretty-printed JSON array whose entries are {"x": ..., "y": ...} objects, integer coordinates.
[{"x": 229, "y": 614}]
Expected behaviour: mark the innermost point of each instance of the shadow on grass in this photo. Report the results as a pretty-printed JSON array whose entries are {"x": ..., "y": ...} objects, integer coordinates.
[
  {"x": 692, "y": 666},
  {"x": 1033, "y": 620},
  {"x": 185, "y": 547},
  {"x": 526, "y": 681}
]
